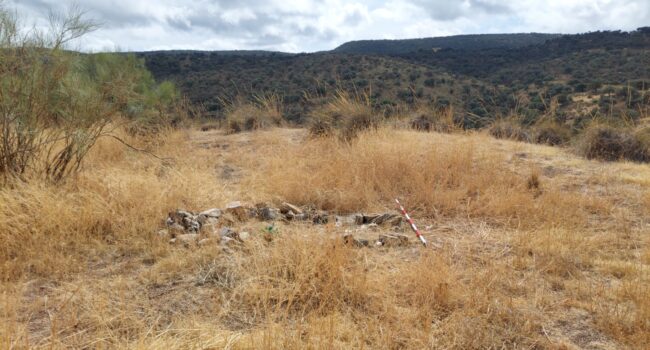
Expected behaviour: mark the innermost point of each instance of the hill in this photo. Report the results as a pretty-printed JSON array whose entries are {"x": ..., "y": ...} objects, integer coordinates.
[
  {"x": 458, "y": 42},
  {"x": 574, "y": 77}
]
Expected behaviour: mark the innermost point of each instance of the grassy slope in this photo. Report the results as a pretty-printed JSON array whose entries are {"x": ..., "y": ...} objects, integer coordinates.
[{"x": 565, "y": 263}]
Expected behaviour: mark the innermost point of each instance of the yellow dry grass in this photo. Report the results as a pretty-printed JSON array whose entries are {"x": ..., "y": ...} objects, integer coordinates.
[{"x": 532, "y": 248}]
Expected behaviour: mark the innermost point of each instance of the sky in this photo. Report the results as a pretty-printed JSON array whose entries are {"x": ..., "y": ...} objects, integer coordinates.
[{"x": 316, "y": 25}]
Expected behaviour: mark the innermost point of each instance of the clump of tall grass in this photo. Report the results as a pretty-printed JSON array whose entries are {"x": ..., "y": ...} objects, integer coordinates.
[
  {"x": 345, "y": 115},
  {"x": 509, "y": 128},
  {"x": 263, "y": 112},
  {"x": 435, "y": 119},
  {"x": 552, "y": 133}
]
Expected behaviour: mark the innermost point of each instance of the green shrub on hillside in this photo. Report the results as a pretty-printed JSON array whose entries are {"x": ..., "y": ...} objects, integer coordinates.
[{"x": 55, "y": 103}]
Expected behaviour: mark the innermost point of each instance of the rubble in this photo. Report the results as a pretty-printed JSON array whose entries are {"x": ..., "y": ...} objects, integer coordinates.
[
  {"x": 354, "y": 219},
  {"x": 269, "y": 214},
  {"x": 214, "y": 225},
  {"x": 380, "y": 219},
  {"x": 321, "y": 218},
  {"x": 393, "y": 240},
  {"x": 286, "y": 208},
  {"x": 348, "y": 239},
  {"x": 239, "y": 211}
]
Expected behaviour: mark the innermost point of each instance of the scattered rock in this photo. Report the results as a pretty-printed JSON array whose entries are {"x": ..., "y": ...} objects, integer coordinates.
[
  {"x": 269, "y": 214},
  {"x": 393, "y": 240},
  {"x": 321, "y": 218},
  {"x": 354, "y": 219},
  {"x": 296, "y": 217},
  {"x": 164, "y": 233},
  {"x": 380, "y": 219},
  {"x": 348, "y": 239},
  {"x": 185, "y": 219},
  {"x": 238, "y": 211},
  {"x": 227, "y": 241},
  {"x": 209, "y": 216},
  {"x": 286, "y": 208},
  {"x": 227, "y": 232},
  {"x": 372, "y": 227},
  {"x": 244, "y": 236}
]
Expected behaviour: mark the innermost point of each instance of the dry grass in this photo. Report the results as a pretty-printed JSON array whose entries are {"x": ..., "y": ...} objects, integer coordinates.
[
  {"x": 262, "y": 113},
  {"x": 535, "y": 248},
  {"x": 346, "y": 115}
]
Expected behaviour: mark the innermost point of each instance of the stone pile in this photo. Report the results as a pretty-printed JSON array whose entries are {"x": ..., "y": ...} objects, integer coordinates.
[{"x": 214, "y": 225}]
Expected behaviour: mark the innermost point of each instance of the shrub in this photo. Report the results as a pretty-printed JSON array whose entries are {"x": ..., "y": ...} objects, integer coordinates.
[
  {"x": 55, "y": 104},
  {"x": 609, "y": 143},
  {"x": 508, "y": 129}
]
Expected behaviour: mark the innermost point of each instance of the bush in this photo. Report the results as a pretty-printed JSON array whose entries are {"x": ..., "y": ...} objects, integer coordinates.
[
  {"x": 508, "y": 129},
  {"x": 609, "y": 143}
]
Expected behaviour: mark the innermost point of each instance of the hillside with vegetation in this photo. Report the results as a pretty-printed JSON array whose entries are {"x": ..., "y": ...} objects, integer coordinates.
[
  {"x": 259, "y": 211},
  {"x": 576, "y": 78}
]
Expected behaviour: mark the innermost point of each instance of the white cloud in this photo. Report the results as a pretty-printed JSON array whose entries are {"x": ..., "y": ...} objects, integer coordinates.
[{"x": 311, "y": 25}]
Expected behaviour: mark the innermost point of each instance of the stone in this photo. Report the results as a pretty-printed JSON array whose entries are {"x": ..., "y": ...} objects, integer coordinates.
[
  {"x": 184, "y": 218},
  {"x": 380, "y": 219},
  {"x": 393, "y": 240},
  {"x": 191, "y": 224},
  {"x": 348, "y": 239},
  {"x": 321, "y": 218},
  {"x": 164, "y": 233},
  {"x": 227, "y": 232},
  {"x": 227, "y": 241},
  {"x": 238, "y": 211},
  {"x": 286, "y": 208},
  {"x": 210, "y": 216},
  {"x": 244, "y": 236},
  {"x": 354, "y": 219},
  {"x": 290, "y": 216},
  {"x": 235, "y": 204},
  {"x": 269, "y": 214},
  {"x": 213, "y": 213}
]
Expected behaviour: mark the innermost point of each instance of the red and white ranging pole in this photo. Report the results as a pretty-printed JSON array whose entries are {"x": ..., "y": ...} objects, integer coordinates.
[{"x": 408, "y": 218}]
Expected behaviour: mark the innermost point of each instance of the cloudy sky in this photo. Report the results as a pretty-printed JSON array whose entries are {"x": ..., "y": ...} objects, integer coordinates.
[{"x": 313, "y": 25}]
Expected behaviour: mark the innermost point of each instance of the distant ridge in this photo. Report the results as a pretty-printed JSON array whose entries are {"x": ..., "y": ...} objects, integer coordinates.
[
  {"x": 216, "y": 52},
  {"x": 464, "y": 42}
]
